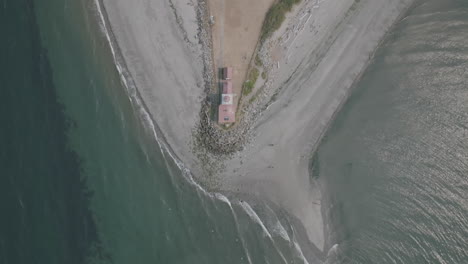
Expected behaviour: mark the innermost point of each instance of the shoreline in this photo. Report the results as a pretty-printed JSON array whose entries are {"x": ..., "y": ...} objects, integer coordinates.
[
  {"x": 246, "y": 169},
  {"x": 356, "y": 80},
  {"x": 134, "y": 94}
]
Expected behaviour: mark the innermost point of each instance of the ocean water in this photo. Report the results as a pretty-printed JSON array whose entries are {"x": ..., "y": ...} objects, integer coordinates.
[
  {"x": 83, "y": 178},
  {"x": 44, "y": 205},
  {"x": 395, "y": 160}
]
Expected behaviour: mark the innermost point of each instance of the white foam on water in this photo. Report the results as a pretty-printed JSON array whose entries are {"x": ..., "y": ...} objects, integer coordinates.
[
  {"x": 278, "y": 228},
  {"x": 125, "y": 77},
  {"x": 253, "y": 215},
  {"x": 298, "y": 248},
  {"x": 281, "y": 231},
  {"x": 226, "y": 200},
  {"x": 301, "y": 254},
  {"x": 439, "y": 258},
  {"x": 137, "y": 102},
  {"x": 223, "y": 199},
  {"x": 333, "y": 250}
]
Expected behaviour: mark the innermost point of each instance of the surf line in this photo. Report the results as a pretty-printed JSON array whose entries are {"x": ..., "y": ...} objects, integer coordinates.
[{"x": 137, "y": 101}]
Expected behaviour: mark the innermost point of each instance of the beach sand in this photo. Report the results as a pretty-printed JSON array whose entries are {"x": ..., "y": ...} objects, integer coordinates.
[
  {"x": 159, "y": 42},
  {"x": 318, "y": 63}
]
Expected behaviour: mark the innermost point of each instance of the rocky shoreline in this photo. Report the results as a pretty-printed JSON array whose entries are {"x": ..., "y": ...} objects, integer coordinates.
[
  {"x": 209, "y": 135},
  {"x": 213, "y": 144}
]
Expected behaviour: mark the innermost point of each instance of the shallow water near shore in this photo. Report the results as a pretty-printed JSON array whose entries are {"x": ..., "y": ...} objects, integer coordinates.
[{"x": 395, "y": 159}]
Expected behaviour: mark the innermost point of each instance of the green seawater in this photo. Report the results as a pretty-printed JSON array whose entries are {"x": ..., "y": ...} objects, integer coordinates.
[
  {"x": 44, "y": 205},
  {"x": 83, "y": 179}
]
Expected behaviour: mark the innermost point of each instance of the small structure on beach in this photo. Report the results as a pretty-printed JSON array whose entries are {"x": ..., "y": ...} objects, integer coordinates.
[
  {"x": 226, "y": 109},
  {"x": 227, "y": 73}
]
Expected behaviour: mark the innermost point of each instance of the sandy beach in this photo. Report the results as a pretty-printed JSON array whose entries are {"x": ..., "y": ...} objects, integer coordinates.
[
  {"x": 321, "y": 49},
  {"x": 159, "y": 42}
]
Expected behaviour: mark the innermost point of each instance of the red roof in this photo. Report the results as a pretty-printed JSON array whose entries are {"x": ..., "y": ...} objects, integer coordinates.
[
  {"x": 227, "y": 87},
  {"x": 226, "y": 114}
]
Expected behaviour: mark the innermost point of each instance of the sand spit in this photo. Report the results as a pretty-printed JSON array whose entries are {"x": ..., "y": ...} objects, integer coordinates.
[
  {"x": 320, "y": 51},
  {"x": 312, "y": 61}
]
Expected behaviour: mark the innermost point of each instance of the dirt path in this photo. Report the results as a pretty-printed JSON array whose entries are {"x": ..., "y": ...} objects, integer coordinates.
[{"x": 235, "y": 34}]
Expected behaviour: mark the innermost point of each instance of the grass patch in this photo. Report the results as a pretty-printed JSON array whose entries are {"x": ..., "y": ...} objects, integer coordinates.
[
  {"x": 254, "y": 97},
  {"x": 213, "y": 112},
  {"x": 248, "y": 87},
  {"x": 250, "y": 83},
  {"x": 275, "y": 17},
  {"x": 258, "y": 61}
]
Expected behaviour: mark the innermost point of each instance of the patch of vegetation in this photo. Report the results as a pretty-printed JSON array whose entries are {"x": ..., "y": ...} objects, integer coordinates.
[
  {"x": 258, "y": 61},
  {"x": 254, "y": 97},
  {"x": 213, "y": 112},
  {"x": 248, "y": 87},
  {"x": 250, "y": 83},
  {"x": 264, "y": 75},
  {"x": 275, "y": 17}
]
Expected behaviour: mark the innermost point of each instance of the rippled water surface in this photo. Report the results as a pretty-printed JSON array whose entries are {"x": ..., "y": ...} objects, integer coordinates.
[
  {"x": 83, "y": 180},
  {"x": 396, "y": 158}
]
